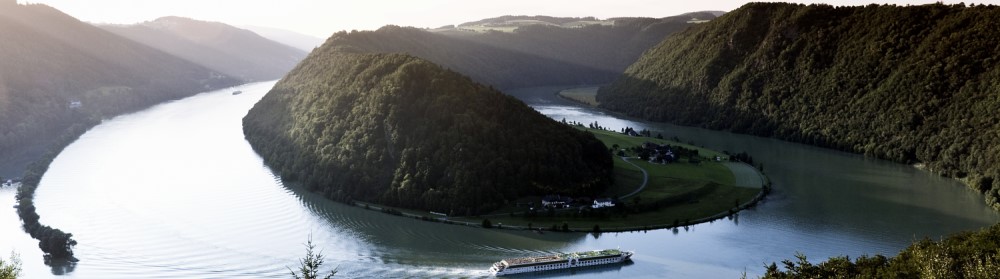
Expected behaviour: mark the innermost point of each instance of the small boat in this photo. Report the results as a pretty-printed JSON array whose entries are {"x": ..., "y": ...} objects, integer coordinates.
[
  {"x": 559, "y": 261},
  {"x": 237, "y": 92}
]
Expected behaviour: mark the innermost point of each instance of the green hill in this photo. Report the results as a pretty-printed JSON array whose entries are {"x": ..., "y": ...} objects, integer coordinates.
[
  {"x": 356, "y": 124},
  {"x": 915, "y": 84},
  {"x": 232, "y": 51},
  {"x": 49, "y": 61}
]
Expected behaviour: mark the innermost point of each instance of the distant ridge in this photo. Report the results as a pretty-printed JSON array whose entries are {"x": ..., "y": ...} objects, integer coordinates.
[
  {"x": 49, "y": 60},
  {"x": 221, "y": 47},
  {"x": 291, "y": 38},
  {"x": 533, "y": 54}
]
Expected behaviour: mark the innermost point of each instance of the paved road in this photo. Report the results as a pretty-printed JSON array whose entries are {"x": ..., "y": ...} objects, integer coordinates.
[{"x": 645, "y": 178}]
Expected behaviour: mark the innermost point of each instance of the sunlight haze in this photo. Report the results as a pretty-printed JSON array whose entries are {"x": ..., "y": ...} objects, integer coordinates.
[{"x": 322, "y": 18}]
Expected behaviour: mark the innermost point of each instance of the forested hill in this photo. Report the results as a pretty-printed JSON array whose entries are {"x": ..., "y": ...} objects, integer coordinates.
[
  {"x": 49, "y": 61},
  {"x": 355, "y": 124},
  {"x": 531, "y": 55},
  {"x": 916, "y": 84},
  {"x": 232, "y": 51}
]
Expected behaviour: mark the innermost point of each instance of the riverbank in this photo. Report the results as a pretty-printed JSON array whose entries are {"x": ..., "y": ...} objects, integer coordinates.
[
  {"x": 582, "y": 95},
  {"x": 56, "y": 244},
  {"x": 701, "y": 187}
]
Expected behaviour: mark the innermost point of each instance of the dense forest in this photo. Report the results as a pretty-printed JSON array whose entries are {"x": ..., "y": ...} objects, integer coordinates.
[
  {"x": 915, "y": 84},
  {"x": 970, "y": 255},
  {"x": 229, "y": 50},
  {"x": 532, "y": 55},
  {"x": 56, "y": 71},
  {"x": 355, "y": 124}
]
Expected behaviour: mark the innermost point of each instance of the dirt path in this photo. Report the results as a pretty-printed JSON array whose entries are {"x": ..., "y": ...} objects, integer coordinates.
[{"x": 645, "y": 179}]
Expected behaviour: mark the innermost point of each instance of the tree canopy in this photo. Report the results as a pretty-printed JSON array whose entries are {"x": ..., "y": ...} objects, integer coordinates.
[
  {"x": 394, "y": 129},
  {"x": 969, "y": 255}
]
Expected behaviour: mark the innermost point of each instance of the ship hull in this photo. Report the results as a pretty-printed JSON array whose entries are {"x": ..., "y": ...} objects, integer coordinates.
[{"x": 566, "y": 264}]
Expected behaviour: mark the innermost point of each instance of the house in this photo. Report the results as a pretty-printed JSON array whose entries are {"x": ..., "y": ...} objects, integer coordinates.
[
  {"x": 75, "y": 104},
  {"x": 556, "y": 201},
  {"x": 604, "y": 202}
]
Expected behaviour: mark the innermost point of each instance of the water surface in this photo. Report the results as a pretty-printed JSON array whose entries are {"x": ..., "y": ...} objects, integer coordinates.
[{"x": 175, "y": 191}]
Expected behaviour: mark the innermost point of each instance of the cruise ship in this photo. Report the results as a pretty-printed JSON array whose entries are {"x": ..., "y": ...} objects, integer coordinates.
[{"x": 559, "y": 261}]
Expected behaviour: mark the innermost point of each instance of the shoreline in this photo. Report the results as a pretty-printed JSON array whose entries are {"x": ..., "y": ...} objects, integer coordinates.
[
  {"x": 580, "y": 102},
  {"x": 764, "y": 190},
  {"x": 430, "y": 217}
]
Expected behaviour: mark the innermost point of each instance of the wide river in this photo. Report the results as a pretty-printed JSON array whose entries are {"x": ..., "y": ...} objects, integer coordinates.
[{"x": 175, "y": 191}]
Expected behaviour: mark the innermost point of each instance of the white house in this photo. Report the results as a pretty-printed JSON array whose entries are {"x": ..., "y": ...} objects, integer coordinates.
[{"x": 605, "y": 202}]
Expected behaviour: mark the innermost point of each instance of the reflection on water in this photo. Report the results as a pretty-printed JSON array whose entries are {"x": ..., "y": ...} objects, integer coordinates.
[{"x": 175, "y": 191}]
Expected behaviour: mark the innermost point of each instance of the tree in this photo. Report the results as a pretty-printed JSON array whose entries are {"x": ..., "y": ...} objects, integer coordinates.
[
  {"x": 487, "y": 224},
  {"x": 310, "y": 265},
  {"x": 11, "y": 268}
]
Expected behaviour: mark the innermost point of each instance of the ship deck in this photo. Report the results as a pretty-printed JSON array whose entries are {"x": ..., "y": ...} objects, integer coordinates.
[{"x": 562, "y": 257}]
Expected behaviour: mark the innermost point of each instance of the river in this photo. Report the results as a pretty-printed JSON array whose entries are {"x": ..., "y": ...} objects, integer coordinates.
[{"x": 175, "y": 191}]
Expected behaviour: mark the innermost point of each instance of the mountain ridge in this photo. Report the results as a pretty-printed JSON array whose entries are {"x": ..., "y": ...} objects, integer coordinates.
[
  {"x": 912, "y": 84},
  {"x": 532, "y": 55},
  {"x": 51, "y": 60},
  {"x": 215, "y": 45}
]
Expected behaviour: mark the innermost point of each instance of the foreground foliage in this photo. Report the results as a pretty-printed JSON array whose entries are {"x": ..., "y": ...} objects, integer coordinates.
[
  {"x": 398, "y": 130},
  {"x": 11, "y": 268},
  {"x": 963, "y": 255},
  {"x": 916, "y": 84},
  {"x": 309, "y": 267}
]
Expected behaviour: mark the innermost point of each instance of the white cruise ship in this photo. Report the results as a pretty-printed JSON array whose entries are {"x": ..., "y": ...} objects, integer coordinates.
[{"x": 559, "y": 261}]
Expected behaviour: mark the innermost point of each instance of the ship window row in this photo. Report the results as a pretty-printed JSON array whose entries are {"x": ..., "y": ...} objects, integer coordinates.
[{"x": 567, "y": 264}]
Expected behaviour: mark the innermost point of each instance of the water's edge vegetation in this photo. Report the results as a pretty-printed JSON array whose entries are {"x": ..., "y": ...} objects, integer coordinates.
[
  {"x": 56, "y": 244},
  {"x": 971, "y": 254}
]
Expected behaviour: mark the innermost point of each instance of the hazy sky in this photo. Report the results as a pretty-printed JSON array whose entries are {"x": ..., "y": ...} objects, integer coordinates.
[{"x": 321, "y": 18}]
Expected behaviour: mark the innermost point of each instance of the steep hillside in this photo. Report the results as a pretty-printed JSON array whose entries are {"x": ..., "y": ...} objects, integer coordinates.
[
  {"x": 56, "y": 71},
  {"x": 356, "y": 124},
  {"x": 532, "y": 55},
  {"x": 235, "y": 52},
  {"x": 916, "y": 84}
]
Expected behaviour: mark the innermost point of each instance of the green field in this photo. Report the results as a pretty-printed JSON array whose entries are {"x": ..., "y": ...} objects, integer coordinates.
[{"x": 689, "y": 193}]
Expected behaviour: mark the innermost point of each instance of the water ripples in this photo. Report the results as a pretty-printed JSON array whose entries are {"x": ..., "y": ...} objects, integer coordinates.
[{"x": 176, "y": 192}]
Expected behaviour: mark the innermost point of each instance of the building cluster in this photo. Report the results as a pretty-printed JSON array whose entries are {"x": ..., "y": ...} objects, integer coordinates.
[
  {"x": 557, "y": 201},
  {"x": 659, "y": 153}
]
